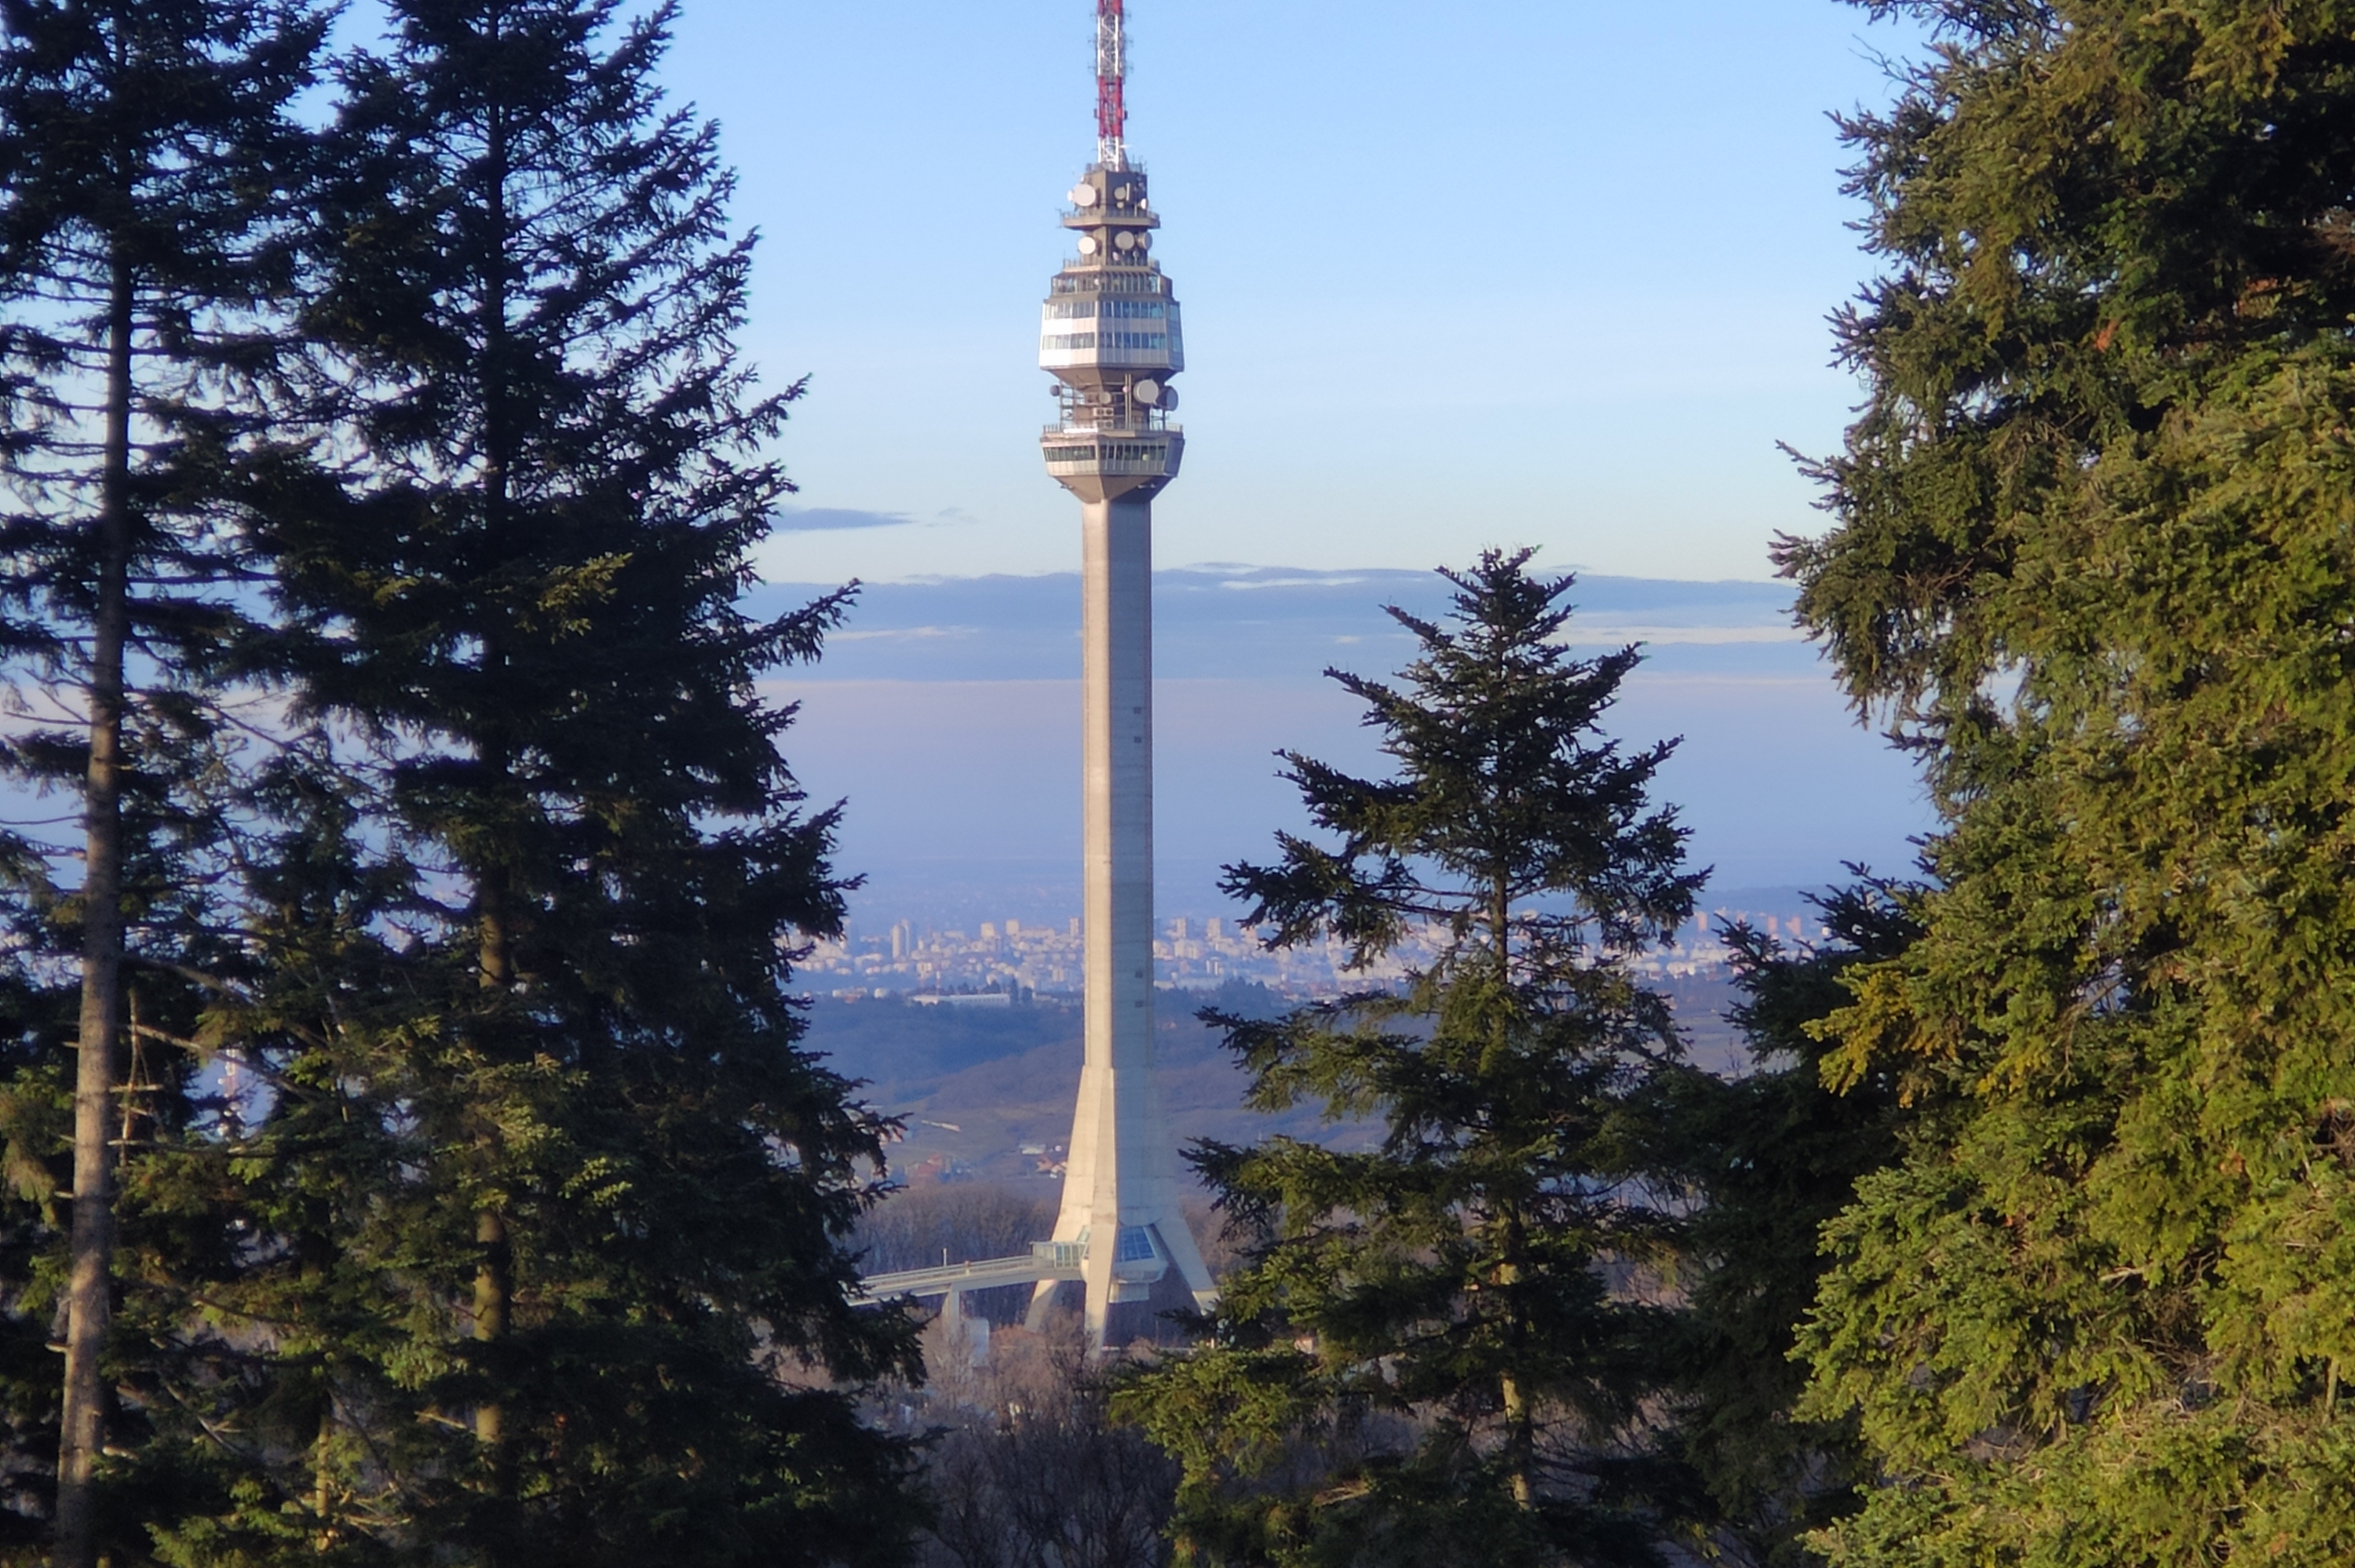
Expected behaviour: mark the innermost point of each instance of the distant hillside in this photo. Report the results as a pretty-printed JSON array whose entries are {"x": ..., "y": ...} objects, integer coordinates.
[{"x": 976, "y": 1086}]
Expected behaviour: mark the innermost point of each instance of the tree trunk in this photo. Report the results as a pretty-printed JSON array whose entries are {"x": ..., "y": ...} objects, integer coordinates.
[
  {"x": 1520, "y": 1419},
  {"x": 494, "y": 1284},
  {"x": 495, "y": 1273},
  {"x": 89, "y": 1285},
  {"x": 1520, "y": 1422},
  {"x": 494, "y": 1268},
  {"x": 1520, "y": 1441},
  {"x": 323, "y": 1477}
]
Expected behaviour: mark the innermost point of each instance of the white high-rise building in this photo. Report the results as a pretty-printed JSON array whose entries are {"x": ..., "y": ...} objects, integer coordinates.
[{"x": 1110, "y": 334}]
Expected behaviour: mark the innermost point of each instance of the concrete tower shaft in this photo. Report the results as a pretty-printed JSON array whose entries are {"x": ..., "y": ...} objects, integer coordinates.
[{"x": 1110, "y": 333}]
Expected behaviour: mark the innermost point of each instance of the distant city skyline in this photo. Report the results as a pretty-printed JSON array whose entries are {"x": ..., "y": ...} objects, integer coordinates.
[
  {"x": 1570, "y": 266},
  {"x": 1003, "y": 961}
]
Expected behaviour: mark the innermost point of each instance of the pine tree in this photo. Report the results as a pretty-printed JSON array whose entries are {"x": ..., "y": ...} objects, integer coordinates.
[
  {"x": 1466, "y": 1277},
  {"x": 560, "y": 1211},
  {"x": 2091, "y": 555},
  {"x": 141, "y": 150},
  {"x": 37, "y": 1019}
]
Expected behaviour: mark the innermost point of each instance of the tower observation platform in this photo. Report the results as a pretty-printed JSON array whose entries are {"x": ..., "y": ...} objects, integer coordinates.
[{"x": 1111, "y": 334}]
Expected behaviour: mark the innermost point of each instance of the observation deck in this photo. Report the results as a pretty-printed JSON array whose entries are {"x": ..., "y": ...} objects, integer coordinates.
[
  {"x": 1082, "y": 451},
  {"x": 1111, "y": 333},
  {"x": 1098, "y": 462}
]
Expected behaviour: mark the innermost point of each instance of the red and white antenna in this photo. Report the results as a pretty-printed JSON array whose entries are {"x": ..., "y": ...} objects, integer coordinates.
[{"x": 1112, "y": 79}]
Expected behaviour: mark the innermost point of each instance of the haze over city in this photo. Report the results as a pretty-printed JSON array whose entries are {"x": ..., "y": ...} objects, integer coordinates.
[{"x": 948, "y": 716}]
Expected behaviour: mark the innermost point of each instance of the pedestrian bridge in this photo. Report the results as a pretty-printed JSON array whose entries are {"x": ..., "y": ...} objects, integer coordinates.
[{"x": 1045, "y": 1261}]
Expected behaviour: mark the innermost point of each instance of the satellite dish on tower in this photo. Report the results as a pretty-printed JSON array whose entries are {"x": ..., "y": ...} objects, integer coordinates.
[
  {"x": 1148, "y": 392},
  {"x": 1083, "y": 194}
]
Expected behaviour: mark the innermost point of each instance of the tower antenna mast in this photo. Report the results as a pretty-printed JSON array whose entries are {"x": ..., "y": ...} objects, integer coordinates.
[{"x": 1112, "y": 82}]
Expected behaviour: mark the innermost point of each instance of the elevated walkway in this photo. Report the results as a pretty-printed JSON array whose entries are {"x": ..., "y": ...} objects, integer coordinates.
[{"x": 1046, "y": 1263}]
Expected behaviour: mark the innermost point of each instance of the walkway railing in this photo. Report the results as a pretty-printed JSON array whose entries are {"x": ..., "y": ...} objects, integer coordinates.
[{"x": 1047, "y": 1260}]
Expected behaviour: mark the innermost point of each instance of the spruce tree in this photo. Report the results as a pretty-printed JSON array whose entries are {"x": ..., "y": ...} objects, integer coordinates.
[
  {"x": 143, "y": 154},
  {"x": 1448, "y": 1315},
  {"x": 561, "y": 1212},
  {"x": 2091, "y": 556}
]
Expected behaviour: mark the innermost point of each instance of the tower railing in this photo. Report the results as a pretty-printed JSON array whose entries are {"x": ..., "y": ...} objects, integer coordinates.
[{"x": 1078, "y": 432}]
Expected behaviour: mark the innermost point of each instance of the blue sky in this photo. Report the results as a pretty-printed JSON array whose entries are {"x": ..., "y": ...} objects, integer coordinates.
[
  {"x": 1552, "y": 274},
  {"x": 1482, "y": 273}
]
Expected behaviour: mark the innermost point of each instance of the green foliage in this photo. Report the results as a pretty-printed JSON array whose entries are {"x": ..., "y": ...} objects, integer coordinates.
[
  {"x": 2093, "y": 555},
  {"x": 1444, "y": 1319},
  {"x": 478, "y": 1202},
  {"x": 1767, "y": 1158},
  {"x": 145, "y": 157},
  {"x": 143, "y": 144},
  {"x": 558, "y": 1213}
]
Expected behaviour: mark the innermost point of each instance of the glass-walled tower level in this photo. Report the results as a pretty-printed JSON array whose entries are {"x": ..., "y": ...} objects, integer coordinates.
[{"x": 1111, "y": 334}]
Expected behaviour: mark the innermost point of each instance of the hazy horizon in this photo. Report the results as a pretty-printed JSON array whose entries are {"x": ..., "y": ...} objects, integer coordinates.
[{"x": 946, "y": 712}]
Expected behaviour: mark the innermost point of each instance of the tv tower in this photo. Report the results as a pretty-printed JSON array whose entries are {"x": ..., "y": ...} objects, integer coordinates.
[{"x": 1109, "y": 334}]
